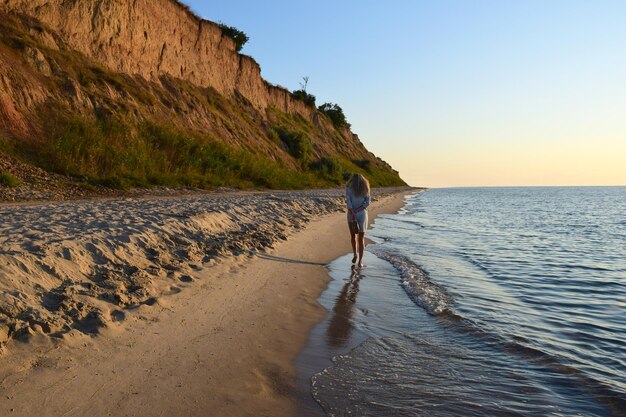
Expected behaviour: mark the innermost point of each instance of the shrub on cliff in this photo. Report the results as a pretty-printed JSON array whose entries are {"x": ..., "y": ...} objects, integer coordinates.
[
  {"x": 302, "y": 95},
  {"x": 235, "y": 34},
  {"x": 335, "y": 113},
  {"x": 298, "y": 144},
  {"x": 8, "y": 180},
  {"x": 363, "y": 164},
  {"x": 329, "y": 168}
]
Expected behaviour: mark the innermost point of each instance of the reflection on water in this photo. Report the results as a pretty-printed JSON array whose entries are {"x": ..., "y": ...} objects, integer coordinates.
[
  {"x": 499, "y": 302},
  {"x": 341, "y": 325},
  {"x": 345, "y": 327},
  {"x": 392, "y": 359}
]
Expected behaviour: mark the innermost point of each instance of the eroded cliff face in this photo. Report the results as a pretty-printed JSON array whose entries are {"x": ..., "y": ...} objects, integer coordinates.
[
  {"x": 158, "y": 37},
  {"x": 82, "y": 81}
]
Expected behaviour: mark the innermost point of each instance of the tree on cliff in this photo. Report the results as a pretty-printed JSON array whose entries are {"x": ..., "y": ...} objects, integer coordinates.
[
  {"x": 335, "y": 113},
  {"x": 238, "y": 36},
  {"x": 304, "y": 83}
]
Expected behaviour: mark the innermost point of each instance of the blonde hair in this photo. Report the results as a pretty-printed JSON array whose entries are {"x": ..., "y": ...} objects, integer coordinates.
[{"x": 359, "y": 184}]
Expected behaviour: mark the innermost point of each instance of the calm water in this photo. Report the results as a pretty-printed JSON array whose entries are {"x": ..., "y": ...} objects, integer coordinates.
[{"x": 480, "y": 302}]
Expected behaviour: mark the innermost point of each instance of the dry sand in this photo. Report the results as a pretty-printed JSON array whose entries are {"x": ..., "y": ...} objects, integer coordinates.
[{"x": 157, "y": 307}]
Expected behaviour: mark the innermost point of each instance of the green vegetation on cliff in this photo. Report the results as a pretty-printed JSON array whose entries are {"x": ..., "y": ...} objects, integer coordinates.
[
  {"x": 118, "y": 155},
  {"x": 335, "y": 113},
  {"x": 8, "y": 180},
  {"x": 124, "y": 131},
  {"x": 238, "y": 36}
]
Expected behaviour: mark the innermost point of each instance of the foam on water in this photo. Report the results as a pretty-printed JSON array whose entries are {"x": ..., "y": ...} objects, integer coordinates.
[
  {"x": 430, "y": 296},
  {"x": 520, "y": 295}
]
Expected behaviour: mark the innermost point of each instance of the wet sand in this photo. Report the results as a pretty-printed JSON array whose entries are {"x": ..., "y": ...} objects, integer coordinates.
[{"x": 207, "y": 333}]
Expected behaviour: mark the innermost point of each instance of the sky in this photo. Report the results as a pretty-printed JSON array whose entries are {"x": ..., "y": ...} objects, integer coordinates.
[{"x": 458, "y": 92}]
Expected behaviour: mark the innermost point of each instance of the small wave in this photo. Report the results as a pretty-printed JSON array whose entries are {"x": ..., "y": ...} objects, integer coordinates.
[
  {"x": 579, "y": 266},
  {"x": 476, "y": 263},
  {"x": 430, "y": 296},
  {"x": 521, "y": 347}
]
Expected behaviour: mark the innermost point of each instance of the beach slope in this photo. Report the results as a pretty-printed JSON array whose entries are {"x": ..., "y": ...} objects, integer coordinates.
[{"x": 212, "y": 335}]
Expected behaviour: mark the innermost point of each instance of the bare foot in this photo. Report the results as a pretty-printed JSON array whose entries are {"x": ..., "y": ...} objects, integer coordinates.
[
  {"x": 354, "y": 259},
  {"x": 360, "y": 264}
]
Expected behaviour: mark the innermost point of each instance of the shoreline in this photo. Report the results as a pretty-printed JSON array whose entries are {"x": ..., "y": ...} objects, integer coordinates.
[
  {"x": 442, "y": 309},
  {"x": 311, "y": 359},
  {"x": 226, "y": 342}
]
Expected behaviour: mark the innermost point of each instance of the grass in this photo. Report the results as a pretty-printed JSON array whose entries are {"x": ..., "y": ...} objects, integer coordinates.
[
  {"x": 8, "y": 180},
  {"x": 119, "y": 155},
  {"x": 94, "y": 74},
  {"x": 292, "y": 122}
]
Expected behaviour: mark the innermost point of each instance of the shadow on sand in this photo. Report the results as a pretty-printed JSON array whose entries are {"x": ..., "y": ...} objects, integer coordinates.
[{"x": 285, "y": 260}]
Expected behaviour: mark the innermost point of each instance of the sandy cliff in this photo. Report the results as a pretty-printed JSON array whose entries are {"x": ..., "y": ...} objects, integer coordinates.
[
  {"x": 82, "y": 84},
  {"x": 156, "y": 37}
]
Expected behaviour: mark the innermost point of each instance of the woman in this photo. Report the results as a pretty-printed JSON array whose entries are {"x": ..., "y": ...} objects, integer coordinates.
[{"x": 357, "y": 199}]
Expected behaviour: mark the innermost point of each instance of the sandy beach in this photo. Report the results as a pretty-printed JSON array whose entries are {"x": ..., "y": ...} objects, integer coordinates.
[{"x": 190, "y": 306}]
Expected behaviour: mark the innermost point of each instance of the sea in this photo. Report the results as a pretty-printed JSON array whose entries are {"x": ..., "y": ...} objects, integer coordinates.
[{"x": 478, "y": 302}]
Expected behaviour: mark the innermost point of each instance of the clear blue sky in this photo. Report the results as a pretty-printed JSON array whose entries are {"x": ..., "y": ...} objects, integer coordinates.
[{"x": 456, "y": 93}]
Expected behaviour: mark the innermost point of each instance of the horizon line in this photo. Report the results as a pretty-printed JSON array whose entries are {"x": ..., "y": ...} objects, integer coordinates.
[{"x": 518, "y": 186}]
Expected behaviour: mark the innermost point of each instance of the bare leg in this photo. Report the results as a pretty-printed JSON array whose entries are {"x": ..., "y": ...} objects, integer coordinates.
[
  {"x": 361, "y": 247},
  {"x": 353, "y": 241}
]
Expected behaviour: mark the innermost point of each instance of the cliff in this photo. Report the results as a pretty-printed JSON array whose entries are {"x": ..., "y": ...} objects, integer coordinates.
[
  {"x": 152, "y": 38},
  {"x": 78, "y": 73}
]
